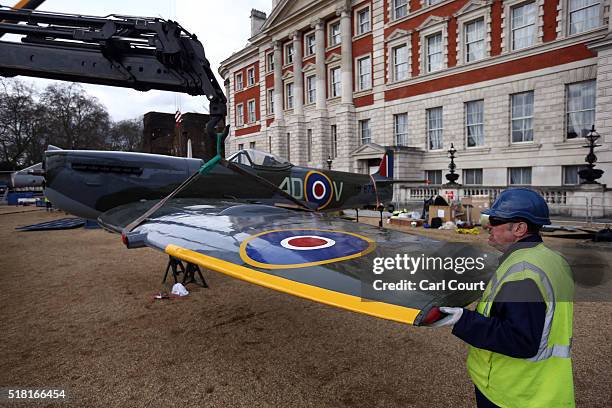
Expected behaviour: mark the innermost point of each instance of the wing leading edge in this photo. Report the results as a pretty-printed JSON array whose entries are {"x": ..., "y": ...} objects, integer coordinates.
[
  {"x": 342, "y": 300},
  {"x": 309, "y": 255}
]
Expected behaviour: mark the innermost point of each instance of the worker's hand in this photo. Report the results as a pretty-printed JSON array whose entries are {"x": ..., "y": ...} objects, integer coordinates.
[{"x": 454, "y": 314}]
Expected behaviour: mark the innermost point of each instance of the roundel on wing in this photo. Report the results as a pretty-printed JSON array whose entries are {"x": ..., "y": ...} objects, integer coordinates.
[
  {"x": 296, "y": 248},
  {"x": 318, "y": 189}
]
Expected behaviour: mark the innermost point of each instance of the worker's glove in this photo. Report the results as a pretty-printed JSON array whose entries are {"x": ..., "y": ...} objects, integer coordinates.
[{"x": 454, "y": 314}]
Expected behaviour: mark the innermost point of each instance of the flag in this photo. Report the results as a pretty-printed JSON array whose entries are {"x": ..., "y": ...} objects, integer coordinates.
[{"x": 178, "y": 118}]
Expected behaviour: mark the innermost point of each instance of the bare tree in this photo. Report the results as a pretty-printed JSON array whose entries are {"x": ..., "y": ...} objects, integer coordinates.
[
  {"x": 74, "y": 119},
  {"x": 126, "y": 135},
  {"x": 20, "y": 124}
]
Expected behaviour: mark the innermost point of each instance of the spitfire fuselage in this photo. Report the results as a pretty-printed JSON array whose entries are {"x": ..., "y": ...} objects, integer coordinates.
[{"x": 88, "y": 183}]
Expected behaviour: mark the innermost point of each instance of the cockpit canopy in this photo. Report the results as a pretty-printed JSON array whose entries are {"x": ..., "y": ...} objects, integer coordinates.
[{"x": 256, "y": 158}]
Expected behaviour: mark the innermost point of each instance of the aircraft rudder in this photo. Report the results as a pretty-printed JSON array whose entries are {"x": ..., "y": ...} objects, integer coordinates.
[{"x": 385, "y": 169}]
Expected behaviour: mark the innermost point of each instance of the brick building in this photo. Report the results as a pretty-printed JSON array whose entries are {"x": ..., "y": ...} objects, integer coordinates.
[
  {"x": 512, "y": 84},
  {"x": 162, "y": 136}
]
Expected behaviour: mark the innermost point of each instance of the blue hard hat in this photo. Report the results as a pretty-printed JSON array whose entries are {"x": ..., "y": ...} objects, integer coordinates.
[{"x": 520, "y": 203}]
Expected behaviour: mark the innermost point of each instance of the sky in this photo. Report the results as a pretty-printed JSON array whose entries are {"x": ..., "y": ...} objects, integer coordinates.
[{"x": 223, "y": 27}]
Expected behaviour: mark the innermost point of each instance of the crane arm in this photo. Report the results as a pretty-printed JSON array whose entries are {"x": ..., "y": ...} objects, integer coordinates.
[{"x": 123, "y": 51}]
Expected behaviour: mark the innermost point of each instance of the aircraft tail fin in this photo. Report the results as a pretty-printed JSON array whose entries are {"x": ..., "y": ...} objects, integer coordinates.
[{"x": 385, "y": 170}]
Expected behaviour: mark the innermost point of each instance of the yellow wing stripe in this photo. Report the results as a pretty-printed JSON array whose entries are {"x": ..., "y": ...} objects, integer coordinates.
[{"x": 356, "y": 304}]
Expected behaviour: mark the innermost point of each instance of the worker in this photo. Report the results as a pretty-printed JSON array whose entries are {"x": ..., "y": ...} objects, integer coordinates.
[{"x": 520, "y": 334}]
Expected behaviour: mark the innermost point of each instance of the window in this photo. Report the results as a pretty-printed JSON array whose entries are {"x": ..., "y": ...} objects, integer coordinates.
[
  {"x": 289, "y": 147},
  {"x": 472, "y": 176},
  {"x": 270, "y": 102},
  {"x": 364, "y": 73},
  {"x": 474, "y": 123},
  {"x": 400, "y": 62},
  {"x": 251, "y": 110},
  {"x": 571, "y": 176},
  {"x": 523, "y": 25},
  {"x": 433, "y": 176},
  {"x": 239, "y": 114},
  {"x": 364, "y": 131},
  {"x": 250, "y": 76},
  {"x": 580, "y": 108},
  {"x": 309, "y": 146},
  {"x": 241, "y": 146},
  {"x": 251, "y": 145},
  {"x": 434, "y": 128},
  {"x": 310, "y": 44},
  {"x": 434, "y": 52},
  {"x": 400, "y": 9},
  {"x": 270, "y": 62},
  {"x": 289, "y": 53},
  {"x": 583, "y": 15},
  {"x": 239, "y": 84},
  {"x": 522, "y": 117},
  {"x": 519, "y": 176},
  {"x": 334, "y": 141},
  {"x": 363, "y": 21},
  {"x": 400, "y": 129},
  {"x": 289, "y": 95},
  {"x": 432, "y": 2},
  {"x": 270, "y": 144},
  {"x": 334, "y": 34},
  {"x": 334, "y": 86},
  {"x": 474, "y": 40},
  {"x": 311, "y": 89}
]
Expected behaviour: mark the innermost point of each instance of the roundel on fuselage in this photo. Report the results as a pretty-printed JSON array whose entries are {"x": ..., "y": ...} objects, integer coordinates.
[{"x": 318, "y": 189}]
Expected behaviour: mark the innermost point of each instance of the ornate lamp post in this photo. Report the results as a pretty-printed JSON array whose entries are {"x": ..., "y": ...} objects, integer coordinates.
[
  {"x": 452, "y": 177},
  {"x": 329, "y": 162},
  {"x": 590, "y": 174}
]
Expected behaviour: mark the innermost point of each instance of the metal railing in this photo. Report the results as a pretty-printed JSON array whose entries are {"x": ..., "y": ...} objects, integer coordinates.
[{"x": 561, "y": 200}]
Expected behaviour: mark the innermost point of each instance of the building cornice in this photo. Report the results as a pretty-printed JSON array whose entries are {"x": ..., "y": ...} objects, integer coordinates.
[
  {"x": 308, "y": 13},
  {"x": 601, "y": 44},
  {"x": 247, "y": 52}
]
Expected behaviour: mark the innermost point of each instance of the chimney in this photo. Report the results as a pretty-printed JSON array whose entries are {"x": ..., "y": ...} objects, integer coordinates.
[{"x": 258, "y": 18}]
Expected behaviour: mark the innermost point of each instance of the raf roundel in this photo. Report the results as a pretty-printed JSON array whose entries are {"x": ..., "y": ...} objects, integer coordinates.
[
  {"x": 298, "y": 248},
  {"x": 307, "y": 242},
  {"x": 318, "y": 189}
]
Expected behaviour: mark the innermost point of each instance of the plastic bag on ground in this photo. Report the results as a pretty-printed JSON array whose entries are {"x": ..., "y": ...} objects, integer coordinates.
[
  {"x": 448, "y": 225},
  {"x": 179, "y": 290}
]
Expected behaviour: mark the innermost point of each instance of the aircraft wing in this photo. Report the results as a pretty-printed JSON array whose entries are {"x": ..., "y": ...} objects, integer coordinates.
[{"x": 310, "y": 255}]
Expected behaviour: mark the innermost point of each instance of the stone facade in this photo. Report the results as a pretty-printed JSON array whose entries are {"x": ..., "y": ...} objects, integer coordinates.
[{"x": 410, "y": 84}]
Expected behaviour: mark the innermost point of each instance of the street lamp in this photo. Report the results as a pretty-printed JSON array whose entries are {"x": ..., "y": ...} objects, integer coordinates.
[
  {"x": 590, "y": 174},
  {"x": 329, "y": 162},
  {"x": 452, "y": 177}
]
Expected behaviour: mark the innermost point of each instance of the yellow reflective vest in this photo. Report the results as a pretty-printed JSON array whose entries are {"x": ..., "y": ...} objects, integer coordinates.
[{"x": 544, "y": 380}]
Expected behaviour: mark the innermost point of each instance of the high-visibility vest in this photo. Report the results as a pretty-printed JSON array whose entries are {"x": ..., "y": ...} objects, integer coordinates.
[{"x": 544, "y": 380}]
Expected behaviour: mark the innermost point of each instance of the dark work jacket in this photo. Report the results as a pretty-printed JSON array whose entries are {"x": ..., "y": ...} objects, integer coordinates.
[{"x": 514, "y": 327}]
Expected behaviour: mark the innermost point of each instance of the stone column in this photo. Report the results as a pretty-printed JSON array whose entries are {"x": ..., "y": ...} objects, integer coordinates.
[
  {"x": 346, "y": 124},
  {"x": 320, "y": 63},
  {"x": 347, "y": 54},
  {"x": 278, "y": 131},
  {"x": 278, "y": 83},
  {"x": 298, "y": 81}
]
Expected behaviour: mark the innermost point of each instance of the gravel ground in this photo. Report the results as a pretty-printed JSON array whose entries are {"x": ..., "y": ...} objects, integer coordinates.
[{"x": 78, "y": 314}]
